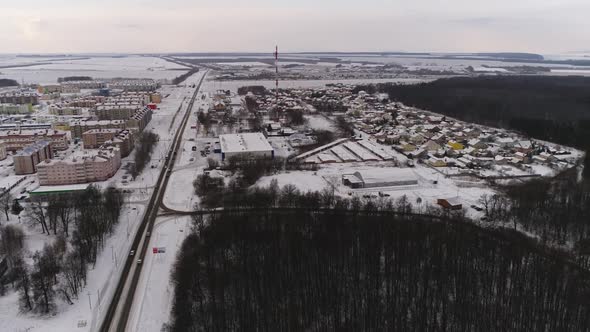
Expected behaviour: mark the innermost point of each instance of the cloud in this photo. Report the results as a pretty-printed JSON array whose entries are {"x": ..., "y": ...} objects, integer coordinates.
[{"x": 31, "y": 28}]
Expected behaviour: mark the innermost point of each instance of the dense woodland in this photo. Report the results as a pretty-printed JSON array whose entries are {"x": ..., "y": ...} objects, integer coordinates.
[
  {"x": 551, "y": 108},
  {"x": 358, "y": 270},
  {"x": 143, "y": 151},
  {"x": 77, "y": 226},
  {"x": 4, "y": 82}
]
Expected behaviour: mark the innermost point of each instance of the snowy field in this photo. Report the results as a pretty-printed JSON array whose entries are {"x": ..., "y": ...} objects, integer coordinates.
[{"x": 99, "y": 67}]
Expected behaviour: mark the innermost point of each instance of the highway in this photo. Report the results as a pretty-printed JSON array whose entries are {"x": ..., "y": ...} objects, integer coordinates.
[{"x": 120, "y": 306}]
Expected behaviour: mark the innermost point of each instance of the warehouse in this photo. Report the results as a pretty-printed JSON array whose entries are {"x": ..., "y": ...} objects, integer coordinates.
[
  {"x": 376, "y": 178},
  {"x": 245, "y": 145}
]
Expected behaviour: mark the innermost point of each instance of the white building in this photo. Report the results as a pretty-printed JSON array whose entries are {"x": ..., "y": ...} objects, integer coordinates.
[
  {"x": 245, "y": 145},
  {"x": 383, "y": 177}
]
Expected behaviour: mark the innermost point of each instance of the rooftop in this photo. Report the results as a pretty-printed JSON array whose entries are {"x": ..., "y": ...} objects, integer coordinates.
[{"x": 245, "y": 142}]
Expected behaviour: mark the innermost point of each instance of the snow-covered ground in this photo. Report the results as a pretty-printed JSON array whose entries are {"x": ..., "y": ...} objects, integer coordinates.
[
  {"x": 102, "y": 279},
  {"x": 96, "y": 67},
  {"x": 153, "y": 299}
]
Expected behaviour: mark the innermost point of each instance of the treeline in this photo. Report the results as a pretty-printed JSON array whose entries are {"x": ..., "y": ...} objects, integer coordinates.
[
  {"x": 214, "y": 192},
  {"x": 143, "y": 151},
  {"x": 74, "y": 78},
  {"x": 179, "y": 79},
  {"x": 551, "y": 108},
  {"x": 4, "y": 82},
  {"x": 359, "y": 270},
  {"x": 557, "y": 210},
  {"x": 255, "y": 89},
  {"x": 80, "y": 224}
]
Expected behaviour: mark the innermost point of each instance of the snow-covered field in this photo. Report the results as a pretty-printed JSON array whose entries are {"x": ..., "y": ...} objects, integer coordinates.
[{"x": 99, "y": 67}]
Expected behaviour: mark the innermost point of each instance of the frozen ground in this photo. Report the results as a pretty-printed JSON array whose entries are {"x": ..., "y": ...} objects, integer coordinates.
[
  {"x": 98, "y": 67},
  {"x": 153, "y": 299},
  {"x": 426, "y": 192}
]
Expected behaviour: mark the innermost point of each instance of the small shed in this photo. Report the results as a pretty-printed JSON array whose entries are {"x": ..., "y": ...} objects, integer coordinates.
[{"x": 450, "y": 203}]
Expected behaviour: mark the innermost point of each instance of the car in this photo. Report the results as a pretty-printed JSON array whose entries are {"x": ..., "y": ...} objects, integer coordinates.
[
  {"x": 147, "y": 234},
  {"x": 132, "y": 252},
  {"x": 139, "y": 261}
]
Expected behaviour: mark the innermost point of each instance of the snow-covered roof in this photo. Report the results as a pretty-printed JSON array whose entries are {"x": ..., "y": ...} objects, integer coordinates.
[
  {"x": 384, "y": 175},
  {"x": 245, "y": 142}
]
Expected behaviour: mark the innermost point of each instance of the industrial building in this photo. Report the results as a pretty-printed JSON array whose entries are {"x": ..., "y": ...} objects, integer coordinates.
[
  {"x": 26, "y": 160},
  {"x": 384, "y": 177},
  {"x": 245, "y": 145}
]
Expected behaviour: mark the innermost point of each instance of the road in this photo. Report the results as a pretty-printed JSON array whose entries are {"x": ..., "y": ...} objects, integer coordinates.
[{"x": 120, "y": 306}]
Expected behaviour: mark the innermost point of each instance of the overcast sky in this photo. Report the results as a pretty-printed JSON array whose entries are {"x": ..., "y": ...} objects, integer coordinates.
[{"x": 55, "y": 26}]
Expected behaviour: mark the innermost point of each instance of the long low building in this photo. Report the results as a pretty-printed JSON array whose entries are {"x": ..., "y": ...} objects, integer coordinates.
[
  {"x": 245, "y": 145},
  {"x": 90, "y": 166},
  {"x": 380, "y": 177},
  {"x": 18, "y": 139}
]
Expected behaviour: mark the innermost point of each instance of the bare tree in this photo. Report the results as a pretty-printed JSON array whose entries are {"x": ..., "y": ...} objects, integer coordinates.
[
  {"x": 6, "y": 203},
  {"x": 36, "y": 213}
]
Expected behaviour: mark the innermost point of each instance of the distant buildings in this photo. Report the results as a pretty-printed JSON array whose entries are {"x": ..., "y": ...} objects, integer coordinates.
[
  {"x": 26, "y": 160},
  {"x": 90, "y": 166},
  {"x": 146, "y": 85},
  {"x": 117, "y": 111},
  {"x": 18, "y": 139},
  {"x": 245, "y": 145},
  {"x": 19, "y": 97},
  {"x": 15, "y": 108}
]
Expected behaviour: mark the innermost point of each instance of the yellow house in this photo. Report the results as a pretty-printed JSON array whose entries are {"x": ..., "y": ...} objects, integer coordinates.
[
  {"x": 455, "y": 145},
  {"x": 408, "y": 147}
]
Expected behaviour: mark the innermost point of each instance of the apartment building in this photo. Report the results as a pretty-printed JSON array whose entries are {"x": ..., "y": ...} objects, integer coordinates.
[
  {"x": 3, "y": 153},
  {"x": 79, "y": 127},
  {"x": 122, "y": 139},
  {"x": 15, "y": 108},
  {"x": 89, "y": 166},
  {"x": 140, "y": 119},
  {"x": 95, "y": 138},
  {"x": 19, "y": 139},
  {"x": 135, "y": 85},
  {"x": 26, "y": 160},
  {"x": 19, "y": 97},
  {"x": 90, "y": 84},
  {"x": 117, "y": 111}
]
